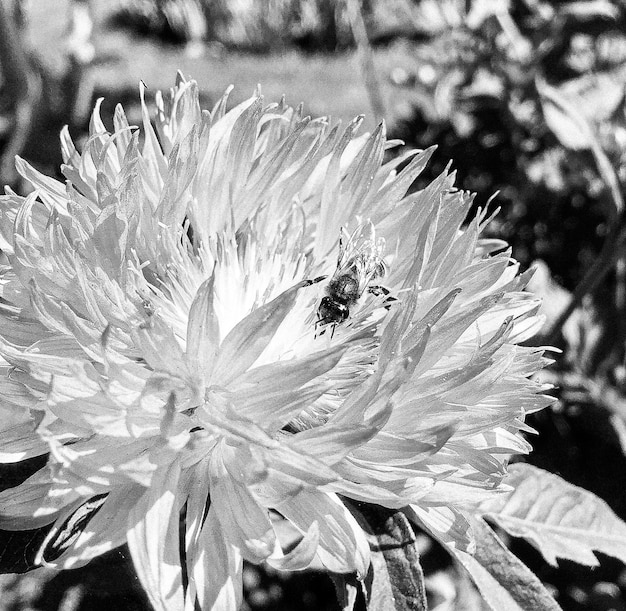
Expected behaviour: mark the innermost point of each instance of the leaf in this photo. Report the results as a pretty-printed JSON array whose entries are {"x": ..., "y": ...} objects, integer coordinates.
[
  {"x": 575, "y": 132},
  {"x": 562, "y": 117},
  {"x": 598, "y": 96},
  {"x": 395, "y": 581},
  {"x": 559, "y": 519},
  {"x": 503, "y": 580}
]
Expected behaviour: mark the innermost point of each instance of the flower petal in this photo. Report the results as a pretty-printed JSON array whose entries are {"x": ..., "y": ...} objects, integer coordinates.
[
  {"x": 104, "y": 531},
  {"x": 246, "y": 522},
  {"x": 446, "y": 524},
  {"x": 203, "y": 332},
  {"x": 343, "y": 547},
  {"x": 153, "y": 526},
  {"x": 301, "y": 556},
  {"x": 29, "y": 505},
  {"x": 246, "y": 341},
  {"x": 216, "y": 576},
  {"x": 258, "y": 397},
  {"x": 20, "y": 442}
]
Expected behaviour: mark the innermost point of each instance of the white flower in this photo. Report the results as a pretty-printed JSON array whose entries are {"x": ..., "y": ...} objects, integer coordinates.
[{"x": 164, "y": 339}]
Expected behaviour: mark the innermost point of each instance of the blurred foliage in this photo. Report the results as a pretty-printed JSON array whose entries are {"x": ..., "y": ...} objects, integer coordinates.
[
  {"x": 170, "y": 20},
  {"x": 259, "y": 25},
  {"x": 475, "y": 80}
]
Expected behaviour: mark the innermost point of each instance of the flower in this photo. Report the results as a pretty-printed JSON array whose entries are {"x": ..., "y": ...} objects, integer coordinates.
[{"x": 237, "y": 321}]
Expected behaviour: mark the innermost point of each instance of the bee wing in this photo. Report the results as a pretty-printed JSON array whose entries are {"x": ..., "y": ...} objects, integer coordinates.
[
  {"x": 360, "y": 255},
  {"x": 345, "y": 245},
  {"x": 381, "y": 266},
  {"x": 362, "y": 271},
  {"x": 351, "y": 248}
]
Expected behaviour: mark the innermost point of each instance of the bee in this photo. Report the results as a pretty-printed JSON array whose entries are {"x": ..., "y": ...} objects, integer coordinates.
[{"x": 360, "y": 262}]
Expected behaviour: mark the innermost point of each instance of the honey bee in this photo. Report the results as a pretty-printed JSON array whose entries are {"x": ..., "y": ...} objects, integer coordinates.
[{"x": 360, "y": 262}]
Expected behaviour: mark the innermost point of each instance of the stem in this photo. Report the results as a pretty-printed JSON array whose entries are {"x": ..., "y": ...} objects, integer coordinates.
[
  {"x": 594, "y": 276},
  {"x": 12, "y": 57},
  {"x": 608, "y": 174},
  {"x": 610, "y": 254}
]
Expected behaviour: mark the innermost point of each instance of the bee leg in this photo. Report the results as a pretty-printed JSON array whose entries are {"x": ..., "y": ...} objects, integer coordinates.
[
  {"x": 378, "y": 290},
  {"x": 381, "y": 290},
  {"x": 314, "y": 281},
  {"x": 318, "y": 322},
  {"x": 340, "y": 248}
]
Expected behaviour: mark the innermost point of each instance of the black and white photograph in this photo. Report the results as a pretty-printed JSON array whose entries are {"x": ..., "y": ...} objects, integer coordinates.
[{"x": 312, "y": 305}]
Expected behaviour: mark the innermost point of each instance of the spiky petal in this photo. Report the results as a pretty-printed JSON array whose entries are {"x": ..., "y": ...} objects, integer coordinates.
[{"x": 161, "y": 340}]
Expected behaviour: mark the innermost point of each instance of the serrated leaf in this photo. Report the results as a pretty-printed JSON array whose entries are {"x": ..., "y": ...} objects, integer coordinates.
[
  {"x": 395, "y": 581},
  {"x": 503, "y": 580},
  {"x": 559, "y": 519}
]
